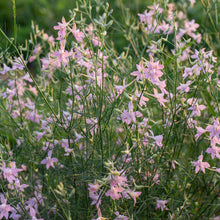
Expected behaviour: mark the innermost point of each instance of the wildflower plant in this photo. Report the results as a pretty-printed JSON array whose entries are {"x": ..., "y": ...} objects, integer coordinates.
[{"x": 91, "y": 133}]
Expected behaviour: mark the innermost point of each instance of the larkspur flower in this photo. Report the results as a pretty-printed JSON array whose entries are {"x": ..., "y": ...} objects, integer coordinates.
[
  {"x": 139, "y": 72},
  {"x": 120, "y": 217},
  {"x": 49, "y": 161},
  {"x": 61, "y": 27},
  {"x": 160, "y": 97},
  {"x": 77, "y": 33},
  {"x": 200, "y": 131},
  {"x": 214, "y": 151},
  {"x": 184, "y": 87},
  {"x": 10, "y": 173},
  {"x": 5, "y": 69},
  {"x": 115, "y": 192},
  {"x": 134, "y": 195},
  {"x": 153, "y": 71},
  {"x": 130, "y": 116},
  {"x": 4, "y": 208},
  {"x": 161, "y": 204},
  {"x": 196, "y": 109},
  {"x": 120, "y": 89},
  {"x": 200, "y": 165},
  {"x": 214, "y": 129}
]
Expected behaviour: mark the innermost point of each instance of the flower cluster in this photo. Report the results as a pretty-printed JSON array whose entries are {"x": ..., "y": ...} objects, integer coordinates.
[{"x": 150, "y": 110}]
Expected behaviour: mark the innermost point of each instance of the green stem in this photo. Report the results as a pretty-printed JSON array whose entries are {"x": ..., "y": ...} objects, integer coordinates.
[{"x": 15, "y": 25}]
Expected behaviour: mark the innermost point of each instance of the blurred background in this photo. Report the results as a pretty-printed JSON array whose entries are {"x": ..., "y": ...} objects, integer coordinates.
[{"x": 46, "y": 13}]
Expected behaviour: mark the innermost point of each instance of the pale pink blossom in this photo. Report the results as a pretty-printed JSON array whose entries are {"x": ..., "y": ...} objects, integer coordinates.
[
  {"x": 153, "y": 72},
  {"x": 160, "y": 97},
  {"x": 61, "y": 27},
  {"x": 62, "y": 56},
  {"x": 200, "y": 165},
  {"x": 10, "y": 173},
  {"x": 120, "y": 217},
  {"x": 214, "y": 151},
  {"x": 77, "y": 33},
  {"x": 134, "y": 195},
  {"x": 118, "y": 179},
  {"x": 49, "y": 161},
  {"x": 4, "y": 208},
  {"x": 192, "y": 2},
  {"x": 94, "y": 187},
  {"x": 139, "y": 72},
  {"x": 161, "y": 204},
  {"x": 196, "y": 109},
  {"x": 120, "y": 89},
  {"x": 142, "y": 99},
  {"x": 214, "y": 129},
  {"x": 158, "y": 140},
  {"x": 156, "y": 179},
  {"x": 33, "y": 214},
  {"x": 130, "y": 116},
  {"x": 5, "y": 69},
  {"x": 184, "y": 87},
  {"x": 114, "y": 192},
  {"x": 200, "y": 131}
]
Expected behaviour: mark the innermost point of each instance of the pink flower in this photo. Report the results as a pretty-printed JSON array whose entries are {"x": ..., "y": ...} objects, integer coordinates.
[
  {"x": 120, "y": 89},
  {"x": 4, "y": 208},
  {"x": 156, "y": 179},
  {"x": 118, "y": 180},
  {"x": 155, "y": 8},
  {"x": 184, "y": 87},
  {"x": 77, "y": 33},
  {"x": 153, "y": 72},
  {"x": 62, "y": 56},
  {"x": 20, "y": 187},
  {"x": 18, "y": 63},
  {"x": 65, "y": 145},
  {"x": 78, "y": 136},
  {"x": 49, "y": 161},
  {"x": 200, "y": 165},
  {"x": 215, "y": 141},
  {"x": 191, "y": 26},
  {"x": 187, "y": 72},
  {"x": 200, "y": 131},
  {"x": 134, "y": 195},
  {"x": 39, "y": 135},
  {"x": 192, "y": 2},
  {"x": 129, "y": 116},
  {"x": 5, "y": 69},
  {"x": 14, "y": 215},
  {"x": 138, "y": 73},
  {"x": 158, "y": 139},
  {"x": 33, "y": 214},
  {"x": 142, "y": 99},
  {"x": 10, "y": 173},
  {"x": 214, "y": 151},
  {"x": 61, "y": 27},
  {"x": 120, "y": 217},
  {"x": 96, "y": 198},
  {"x": 214, "y": 129},
  {"x": 217, "y": 170},
  {"x": 94, "y": 187},
  {"x": 94, "y": 124},
  {"x": 196, "y": 109},
  {"x": 114, "y": 192},
  {"x": 161, "y": 204},
  {"x": 159, "y": 97}
]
